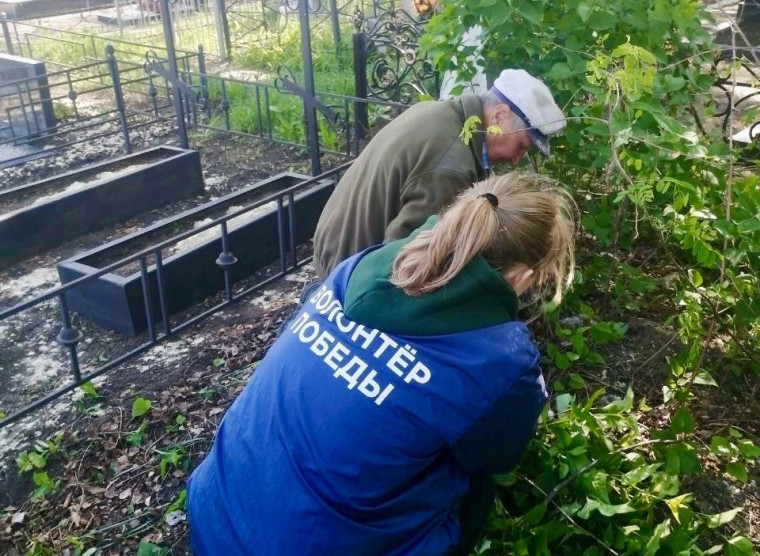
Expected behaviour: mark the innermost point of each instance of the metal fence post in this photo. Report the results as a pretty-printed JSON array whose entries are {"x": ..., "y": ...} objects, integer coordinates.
[
  {"x": 335, "y": 24},
  {"x": 224, "y": 44},
  {"x": 6, "y": 34},
  {"x": 312, "y": 133},
  {"x": 171, "y": 58},
  {"x": 114, "y": 71},
  {"x": 361, "y": 121},
  {"x": 204, "y": 81}
]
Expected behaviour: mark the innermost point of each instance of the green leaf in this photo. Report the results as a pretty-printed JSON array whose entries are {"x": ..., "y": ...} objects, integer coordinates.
[
  {"x": 641, "y": 473},
  {"x": 608, "y": 510},
  {"x": 704, "y": 378},
  {"x": 140, "y": 407},
  {"x": 584, "y": 11},
  {"x": 535, "y": 514},
  {"x": 720, "y": 446},
  {"x": 676, "y": 503},
  {"x": 682, "y": 421},
  {"x": 717, "y": 520},
  {"x": 600, "y": 20},
  {"x": 748, "y": 449},
  {"x": 218, "y": 362},
  {"x": 563, "y": 402},
  {"x": 468, "y": 128},
  {"x": 696, "y": 277},
  {"x": 37, "y": 460},
  {"x": 149, "y": 549},
  {"x": 739, "y": 546},
  {"x": 747, "y": 226},
  {"x": 89, "y": 390},
  {"x": 558, "y": 71},
  {"x": 737, "y": 470}
]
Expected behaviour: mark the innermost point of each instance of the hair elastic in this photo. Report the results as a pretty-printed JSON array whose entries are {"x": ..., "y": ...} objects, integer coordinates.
[{"x": 491, "y": 198}]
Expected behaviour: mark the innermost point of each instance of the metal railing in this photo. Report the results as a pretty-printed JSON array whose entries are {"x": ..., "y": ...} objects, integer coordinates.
[
  {"x": 69, "y": 336},
  {"x": 120, "y": 96}
]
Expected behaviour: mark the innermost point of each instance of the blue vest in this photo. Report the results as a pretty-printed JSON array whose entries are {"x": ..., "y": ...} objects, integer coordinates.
[{"x": 347, "y": 440}]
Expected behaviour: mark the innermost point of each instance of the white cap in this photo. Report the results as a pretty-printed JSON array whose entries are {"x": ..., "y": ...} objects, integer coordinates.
[{"x": 532, "y": 101}]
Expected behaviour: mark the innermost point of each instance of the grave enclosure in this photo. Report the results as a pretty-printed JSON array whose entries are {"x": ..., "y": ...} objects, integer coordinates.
[
  {"x": 258, "y": 232},
  {"x": 256, "y": 238},
  {"x": 43, "y": 214}
]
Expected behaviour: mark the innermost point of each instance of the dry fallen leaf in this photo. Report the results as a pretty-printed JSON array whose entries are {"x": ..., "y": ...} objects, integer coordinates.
[{"x": 92, "y": 489}]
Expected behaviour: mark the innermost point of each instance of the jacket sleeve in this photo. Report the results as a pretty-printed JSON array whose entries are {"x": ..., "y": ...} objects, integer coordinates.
[
  {"x": 422, "y": 197},
  {"x": 496, "y": 441}
]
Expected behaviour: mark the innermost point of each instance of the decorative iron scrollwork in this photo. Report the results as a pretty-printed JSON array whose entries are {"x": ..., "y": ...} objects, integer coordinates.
[
  {"x": 154, "y": 65},
  {"x": 286, "y": 83},
  {"x": 396, "y": 71},
  {"x": 725, "y": 82},
  {"x": 313, "y": 5}
]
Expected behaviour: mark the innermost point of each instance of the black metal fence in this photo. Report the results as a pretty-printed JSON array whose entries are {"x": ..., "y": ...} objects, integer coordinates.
[
  {"x": 69, "y": 336},
  {"x": 118, "y": 97},
  {"x": 168, "y": 85}
]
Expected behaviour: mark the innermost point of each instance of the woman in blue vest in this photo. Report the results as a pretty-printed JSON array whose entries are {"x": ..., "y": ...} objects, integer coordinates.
[{"x": 375, "y": 423}]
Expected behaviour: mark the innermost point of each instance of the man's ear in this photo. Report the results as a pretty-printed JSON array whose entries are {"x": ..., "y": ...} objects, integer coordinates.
[
  {"x": 502, "y": 114},
  {"x": 498, "y": 115}
]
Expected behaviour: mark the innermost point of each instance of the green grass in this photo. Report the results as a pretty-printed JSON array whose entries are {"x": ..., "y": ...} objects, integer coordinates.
[{"x": 267, "y": 48}]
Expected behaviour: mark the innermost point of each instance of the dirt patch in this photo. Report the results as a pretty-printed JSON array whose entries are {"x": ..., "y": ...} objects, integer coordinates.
[
  {"x": 114, "y": 478},
  {"x": 33, "y": 363},
  {"x": 119, "y": 475}
]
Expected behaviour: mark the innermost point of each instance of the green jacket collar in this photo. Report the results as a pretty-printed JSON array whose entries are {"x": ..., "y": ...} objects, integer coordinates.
[{"x": 477, "y": 298}]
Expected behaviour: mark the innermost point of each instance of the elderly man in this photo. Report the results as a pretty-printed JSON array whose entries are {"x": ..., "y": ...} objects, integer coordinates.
[{"x": 417, "y": 164}]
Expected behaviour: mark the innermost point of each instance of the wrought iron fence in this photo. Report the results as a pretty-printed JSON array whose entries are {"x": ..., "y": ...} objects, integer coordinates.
[
  {"x": 389, "y": 50},
  {"x": 69, "y": 49},
  {"x": 119, "y": 97},
  {"x": 275, "y": 111},
  {"x": 150, "y": 261}
]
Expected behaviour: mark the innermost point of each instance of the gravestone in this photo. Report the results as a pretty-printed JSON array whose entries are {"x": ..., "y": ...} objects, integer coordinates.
[
  {"x": 748, "y": 21},
  {"x": 26, "y": 110}
]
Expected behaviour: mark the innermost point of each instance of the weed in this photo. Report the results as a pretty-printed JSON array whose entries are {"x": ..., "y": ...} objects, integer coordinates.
[
  {"x": 43, "y": 485},
  {"x": 176, "y": 457},
  {"x": 138, "y": 436},
  {"x": 177, "y": 424},
  {"x": 140, "y": 407},
  {"x": 87, "y": 399},
  {"x": 178, "y": 504},
  {"x": 208, "y": 393}
]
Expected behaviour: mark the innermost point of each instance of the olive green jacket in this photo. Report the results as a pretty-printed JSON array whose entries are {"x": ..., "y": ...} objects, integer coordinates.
[{"x": 414, "y": 167}]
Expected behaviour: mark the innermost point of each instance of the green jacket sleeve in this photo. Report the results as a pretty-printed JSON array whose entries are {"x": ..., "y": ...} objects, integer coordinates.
[{"x": 422, "y": 197}]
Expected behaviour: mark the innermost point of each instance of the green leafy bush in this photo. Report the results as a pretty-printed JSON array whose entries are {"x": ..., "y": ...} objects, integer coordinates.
[
  {"x": 590, "y": 485},
  {"x": 656, "y": 185}
]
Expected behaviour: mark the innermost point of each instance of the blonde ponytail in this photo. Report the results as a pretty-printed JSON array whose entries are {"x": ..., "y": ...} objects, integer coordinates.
[{"x": 511, "y": 219}]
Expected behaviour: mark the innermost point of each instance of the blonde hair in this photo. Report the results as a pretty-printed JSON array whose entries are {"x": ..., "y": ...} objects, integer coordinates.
[{"x": 532, "y": 223}]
